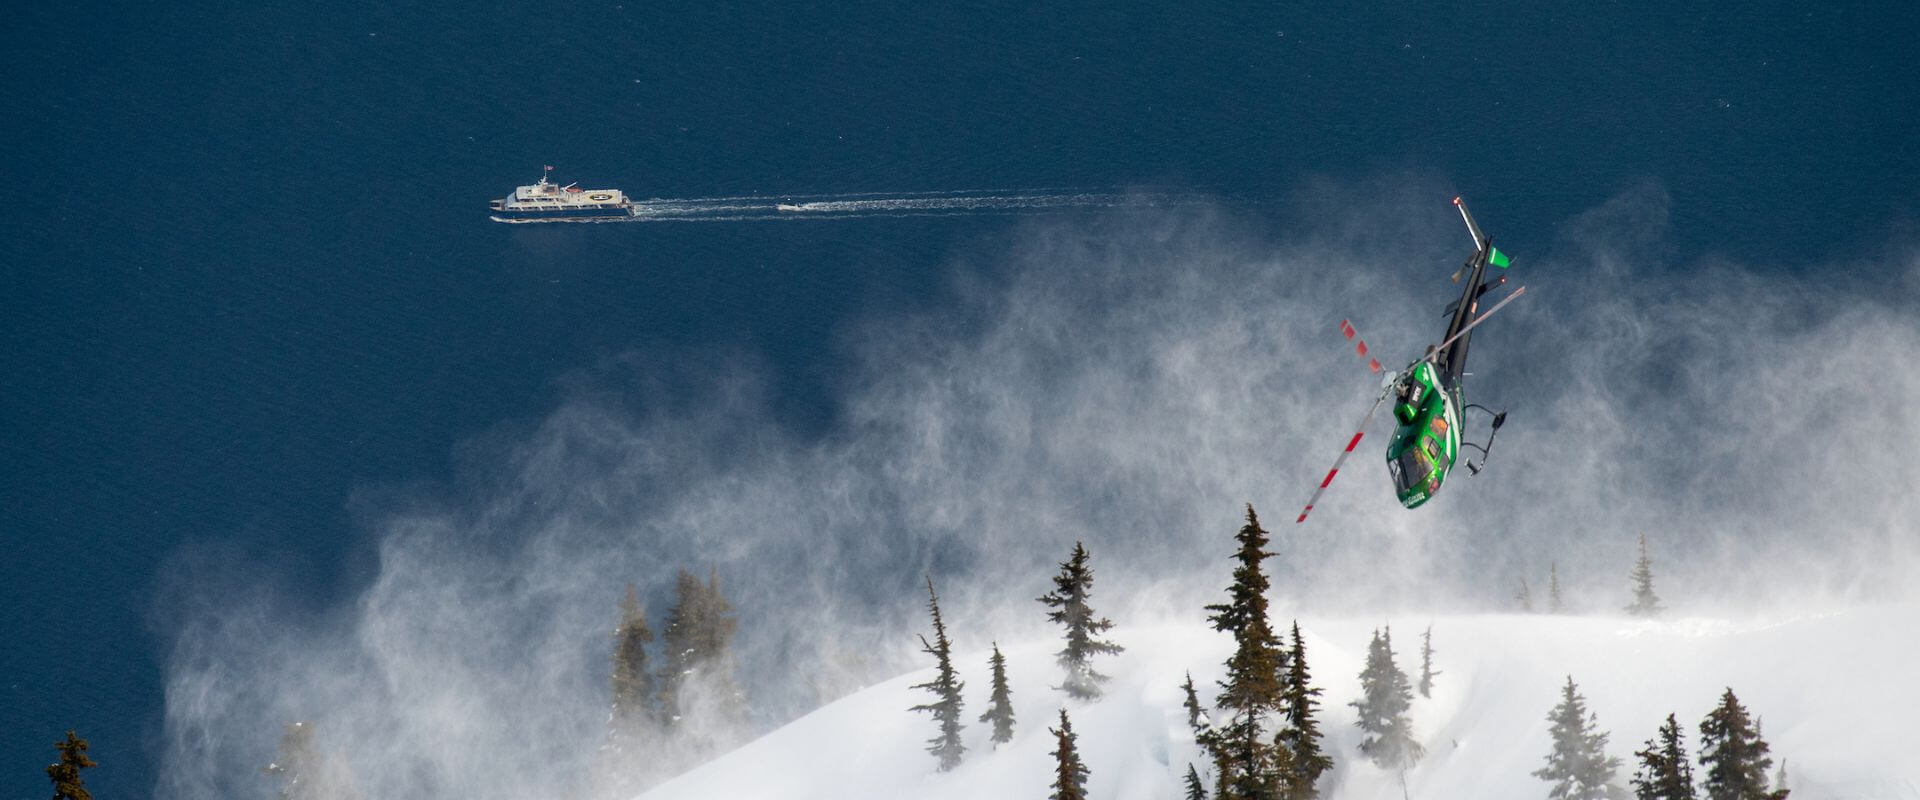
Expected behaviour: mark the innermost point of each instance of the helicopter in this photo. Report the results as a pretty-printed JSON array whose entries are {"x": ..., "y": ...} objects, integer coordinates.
[{"x": 1429, "y": 399}]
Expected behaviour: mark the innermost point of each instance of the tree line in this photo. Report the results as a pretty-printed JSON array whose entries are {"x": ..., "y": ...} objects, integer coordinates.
[
  {"x": 1261, "y": 734},
  {"x": 1645, "y": 602},
  {"x": 1734, "y": 757},
  {"x": 1068, "y": 606},
  {"x": 664, "y": 717},
  {"x": 1267, "y": 743},
  {"x": 668, "y": 717}
]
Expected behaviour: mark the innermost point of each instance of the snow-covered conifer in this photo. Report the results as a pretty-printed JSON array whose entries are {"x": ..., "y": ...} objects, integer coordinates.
[
  {"x": 1554, "y": 605},
  {"x": 1000, "y": 704},
  {"x": 1382, "y": 707},
  {"x": 634, "y": 725},
  {"x": 1300, "y": 739},
  {"x": 1247, "y": 596},
  {"x": 701, "y": 710},
  {"x": 633, "y": 708},
  {"x": 1068, "y": 600},
  {"x": 1645, "y": 602},
  {"x": 1733, "y": 755},
  {"x": 1070, "y": 775},
  {"x": 1578, "y": 766},
  {"x": 1196, "y": 716},
  {"x": 1426, "y": 663},
  {"x": 698, "y": 645},
  {"x": 1665, "y": 773},
  {"x": 65, "y": 773},
  {"x": 307, "y": 773},
  {"x": 1195, "y": 789},
  {"x": 1246, "y": 760},
  {"x": 945, "y": 686},
  {"x": 1524, "y": 598}
]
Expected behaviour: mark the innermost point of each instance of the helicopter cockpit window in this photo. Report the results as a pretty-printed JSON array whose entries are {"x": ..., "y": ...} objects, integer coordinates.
[{"x": 1413, "y": 470}]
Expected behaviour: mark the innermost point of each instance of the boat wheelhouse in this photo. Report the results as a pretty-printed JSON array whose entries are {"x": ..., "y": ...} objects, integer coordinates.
[{"x": 546, "y": 201}]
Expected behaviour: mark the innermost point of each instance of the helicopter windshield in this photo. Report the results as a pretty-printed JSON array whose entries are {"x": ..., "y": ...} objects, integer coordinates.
[{"x": 1413, "y": 470}]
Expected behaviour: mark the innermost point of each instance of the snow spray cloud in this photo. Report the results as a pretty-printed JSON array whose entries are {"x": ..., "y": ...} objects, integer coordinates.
[{"x": 1132, "y": 383}]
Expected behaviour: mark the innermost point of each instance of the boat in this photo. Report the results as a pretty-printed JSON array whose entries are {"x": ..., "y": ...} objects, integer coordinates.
[
  {"x": 788, "y": 207},
  {"x": 547, "y": 201}
]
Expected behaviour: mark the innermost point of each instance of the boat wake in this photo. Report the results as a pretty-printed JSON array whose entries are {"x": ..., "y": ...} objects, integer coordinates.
[{"x": 904, "y": 204}]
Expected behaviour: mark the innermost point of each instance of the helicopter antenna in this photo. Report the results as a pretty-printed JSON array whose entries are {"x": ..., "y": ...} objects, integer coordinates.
[{"x": 1479, "y": 239}]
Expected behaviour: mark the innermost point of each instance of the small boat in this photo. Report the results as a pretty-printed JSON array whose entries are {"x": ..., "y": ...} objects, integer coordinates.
[{"x": 788, "y": 207}]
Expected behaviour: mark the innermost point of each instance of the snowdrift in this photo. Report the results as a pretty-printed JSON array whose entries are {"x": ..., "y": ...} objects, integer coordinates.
[{"x": 1836, "y": 693}]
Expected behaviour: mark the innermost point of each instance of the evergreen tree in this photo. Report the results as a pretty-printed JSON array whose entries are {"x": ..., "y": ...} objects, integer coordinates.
[
  {"x": 1196, "y": 715},
  {"x": 696, "y": 677},
  {"x": 633, "y": 689},
  {"x": 65, "y": 773},
  {"x": 1524, "y": 597},
  {"x": 945, "y": 686},
  {"x": 1000, "y": 705},
  {"x": 1247, "y": 763},
  {"x": 1664, "y": 772},
  {"x": 1780, "y": 780},
  {"x": 1247, "y": 597},
  {"x": 1385, "y": 697},
  {"x": 1071, "y": 588},
  {"x": 633, "y": 726},
  {"x": 306, "y": 773},
  {"x": 1203, "y": 733},
  {"x": 1300, "y": 739},
  {"x": 1070, "y": 775},
  {"x": 1645, "y": 602},
  {"x": 1426, "y": 663},
  {"x": 1195, "y": 789},
  {"x": 296, "y": 763},
  {"x": 1578, "y": 767},
  {"x": 1252, "y": 695},
  {"x": 1733, "y": 754},
  {"x": 1554, "y": 606}
]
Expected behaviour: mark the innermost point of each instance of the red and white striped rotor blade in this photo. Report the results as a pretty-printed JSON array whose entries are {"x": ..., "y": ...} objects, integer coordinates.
[
  {"x": 1359, "y": 346},
  {"x": 1351, "y": 444}
]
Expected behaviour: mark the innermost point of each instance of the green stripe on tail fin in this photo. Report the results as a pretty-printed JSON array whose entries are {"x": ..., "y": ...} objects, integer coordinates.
[{"x": 1497, "y": 258}]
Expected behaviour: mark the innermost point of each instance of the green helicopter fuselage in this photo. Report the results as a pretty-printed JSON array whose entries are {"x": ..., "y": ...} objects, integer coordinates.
[{"x": 1427, "y": 437}]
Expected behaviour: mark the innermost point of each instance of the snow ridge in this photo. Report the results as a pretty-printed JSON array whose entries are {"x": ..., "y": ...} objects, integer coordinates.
[{"x": 1832, "y": 690}]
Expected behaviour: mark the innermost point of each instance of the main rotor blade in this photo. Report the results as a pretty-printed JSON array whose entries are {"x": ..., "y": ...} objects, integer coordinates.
[
  {"x": 1476, "y": 321},
  {"x": 1360, "y": 348},
  {"x": 1351, "y": 443}
]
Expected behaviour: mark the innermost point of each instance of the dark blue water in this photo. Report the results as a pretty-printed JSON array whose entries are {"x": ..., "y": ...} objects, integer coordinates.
[{"x": 248, "y": 272}]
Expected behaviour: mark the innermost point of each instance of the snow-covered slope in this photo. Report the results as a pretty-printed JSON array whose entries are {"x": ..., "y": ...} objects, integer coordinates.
[{"x": 1837, "y": 694}]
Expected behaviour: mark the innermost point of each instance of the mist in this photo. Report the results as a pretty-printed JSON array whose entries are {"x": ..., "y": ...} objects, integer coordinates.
[{"x": 1132, "y": 381}]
